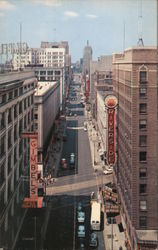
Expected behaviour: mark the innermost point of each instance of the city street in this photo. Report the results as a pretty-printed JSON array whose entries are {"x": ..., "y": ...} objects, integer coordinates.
[{"x": 55, "y": 226}]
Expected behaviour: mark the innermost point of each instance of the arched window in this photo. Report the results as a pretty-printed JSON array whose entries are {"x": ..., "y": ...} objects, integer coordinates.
[{"x": 143, "y": 74}]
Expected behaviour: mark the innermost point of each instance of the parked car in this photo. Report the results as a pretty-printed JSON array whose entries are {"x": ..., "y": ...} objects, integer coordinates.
[
  {"x": 81, "y": 217},
  {"x": 72, "y": 160},
  {"x": 108, "y": 171},
  {"x": 93, "y": 240},
  {"x": 81, "y": 231},
  {"x": 79, "y": 206},
  {"x": 63, "y": 163}
]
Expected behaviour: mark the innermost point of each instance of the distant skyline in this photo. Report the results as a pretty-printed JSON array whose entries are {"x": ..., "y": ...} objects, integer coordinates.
[{"x": 101, "y": 22}]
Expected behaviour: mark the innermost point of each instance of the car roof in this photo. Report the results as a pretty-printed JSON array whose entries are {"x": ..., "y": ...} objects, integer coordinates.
[{"x": 81, "y": 227}]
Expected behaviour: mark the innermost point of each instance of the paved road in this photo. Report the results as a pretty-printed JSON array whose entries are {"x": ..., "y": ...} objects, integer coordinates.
[{"x": 55, "y": 226}]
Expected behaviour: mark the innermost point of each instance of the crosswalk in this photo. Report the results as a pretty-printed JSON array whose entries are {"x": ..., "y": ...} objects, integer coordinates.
[
  {"x": 75, "y": 128},
  {"x": 82, "y": 185}
]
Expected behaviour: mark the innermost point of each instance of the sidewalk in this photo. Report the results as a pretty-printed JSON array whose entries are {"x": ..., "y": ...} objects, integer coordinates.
[
  {"x": 54, "y": 154},
  {"x": 118, "y": 239}
]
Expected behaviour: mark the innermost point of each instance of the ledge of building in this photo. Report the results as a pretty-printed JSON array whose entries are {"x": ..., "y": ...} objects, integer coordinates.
[{"x": 147, "y": 235}]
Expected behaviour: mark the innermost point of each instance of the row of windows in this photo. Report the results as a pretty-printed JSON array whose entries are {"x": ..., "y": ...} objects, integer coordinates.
[
  {"x": 27, "y": 121},
  {"x": 14, "y": 94},
  {"x": 17, "y": 109}
]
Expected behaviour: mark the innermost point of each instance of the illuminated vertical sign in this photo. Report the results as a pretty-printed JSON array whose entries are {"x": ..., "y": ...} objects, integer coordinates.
[
  {"x": 33, "y": 168},
  {"x": 33, "y": 201},
  {"x": 111, "y": 103}
]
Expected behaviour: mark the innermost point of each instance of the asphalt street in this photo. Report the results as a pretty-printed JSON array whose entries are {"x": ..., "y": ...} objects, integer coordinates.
[{"x": 55, "y": 226}]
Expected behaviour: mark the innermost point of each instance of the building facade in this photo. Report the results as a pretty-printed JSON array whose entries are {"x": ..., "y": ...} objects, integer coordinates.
[
  {"x": 136, "y": 172},
  {"x": 16, "y": 116},
  {"x": 100, "y": 77},
  {"x": 51, "y": 75},
  {"x": 48, "y": 57},
  {"x": 47, "y": 107},
  {"x": 87, "y": 57}
]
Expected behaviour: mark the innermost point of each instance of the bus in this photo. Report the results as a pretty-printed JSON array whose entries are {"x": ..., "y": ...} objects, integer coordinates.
[{"x": 95, "y": 215}]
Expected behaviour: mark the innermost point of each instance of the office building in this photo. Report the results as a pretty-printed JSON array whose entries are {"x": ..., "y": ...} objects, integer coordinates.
[
  {"x": 87, "y": 57},
  {"x": 46, "y": 109},
  {"x": 16, "y": 116},
  {"x": 136, "y": 171}
]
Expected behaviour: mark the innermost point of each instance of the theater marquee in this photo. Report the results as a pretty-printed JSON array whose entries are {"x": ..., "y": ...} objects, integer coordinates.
[{"x": 111, "y": 103}]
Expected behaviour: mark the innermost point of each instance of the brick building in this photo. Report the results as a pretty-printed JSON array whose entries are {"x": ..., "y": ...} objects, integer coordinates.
[{"x": 136, "y": 172}]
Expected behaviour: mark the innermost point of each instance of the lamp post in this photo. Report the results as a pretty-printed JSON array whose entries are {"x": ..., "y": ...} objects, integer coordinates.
[{"x": 111, "y": 233}]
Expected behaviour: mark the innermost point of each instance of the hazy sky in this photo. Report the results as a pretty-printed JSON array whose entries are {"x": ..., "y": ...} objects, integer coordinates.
[{"x": 76, "y": 21}]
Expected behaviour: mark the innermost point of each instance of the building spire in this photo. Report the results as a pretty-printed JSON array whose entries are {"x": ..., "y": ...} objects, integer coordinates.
[{"x": 87, "y": 43}]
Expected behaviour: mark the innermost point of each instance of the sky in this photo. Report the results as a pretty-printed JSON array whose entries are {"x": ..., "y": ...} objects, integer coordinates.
[{"x": 108, "y": 25}]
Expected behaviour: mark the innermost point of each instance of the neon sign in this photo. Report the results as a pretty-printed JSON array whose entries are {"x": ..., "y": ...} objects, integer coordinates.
[{"x": 111, "y": 103}]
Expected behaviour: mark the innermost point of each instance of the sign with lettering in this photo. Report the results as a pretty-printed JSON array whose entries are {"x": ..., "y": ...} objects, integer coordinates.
[
  {"x": 33, "y": 168},
  {"x": 33, "y": 202},
  {"x": 111, "y": 103}
]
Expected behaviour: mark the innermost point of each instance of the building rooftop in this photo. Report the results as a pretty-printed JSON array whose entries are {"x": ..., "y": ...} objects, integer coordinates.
[
  {"x": 11, "y": 78},
  {"x": 44, "y": 87}
]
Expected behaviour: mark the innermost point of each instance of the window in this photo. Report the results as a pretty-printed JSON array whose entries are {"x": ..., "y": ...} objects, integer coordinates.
[
  {"x": 9, "y": 139},
  {"x": 21, "y": 91},
  {"x": 142, "y": 108},
  {"x": 143, "y": 221},
  {"x": 28, "y": 101},
  {"x": 142, "y": 140},
  {"x": 57, "y": 73},
  {"x": 25, "y": 122},
  {"x": 10, "y": 95},
  {"x": 1, "y": 174},
  {"x": 15, "y": 133},
  {"x": 15, "y": 156},
  {"x": 24, "y": 104},
  {"x": 9, "y": 115},
  {"x": 142, "y": 156},
  {"x": 142, "y": 92},
  {"x": 3, "y": 99},
  {"x": 9, "y": 163},
  {"x": 31, "y": 99},
  {"x": 142, "y": 188},
  {"x": 142, "y": 76},
  {"x": 2, "y": 146},
  {"x": 20, "y": 107},
  {"x": 28, "y": 117},
  {"x": 36, "y": 116},
  {"x": 15, "y": 111},
  {"x": 142, "y": 172},
  {"x": 20, "y": 147},
  {"x": 20, "y": 127},
  {"x": 15, "y": 93},
  {"x": 2, "y": 120},
  {"x": 143, "y": 205},
  {"x": 32, "y": 114},
  {"x": 142, "y": 124}
]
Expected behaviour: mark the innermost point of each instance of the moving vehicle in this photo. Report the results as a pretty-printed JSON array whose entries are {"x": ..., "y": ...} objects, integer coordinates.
[
  {"x": 95, "y": 215},
  {"x": 81, "y": 217},
  {"x": 85, "y": 126},
  {"x": 72, "y": 160},
  {"x": 81, "y": 231},
  {"x": 93, "y": 242}
]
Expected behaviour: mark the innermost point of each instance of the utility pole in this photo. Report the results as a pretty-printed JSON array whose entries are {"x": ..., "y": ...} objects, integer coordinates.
[
  {"x": 35, "y": 232},
  {"x": 20, "y": 44},
  {"x": 111, "y": 233}
]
